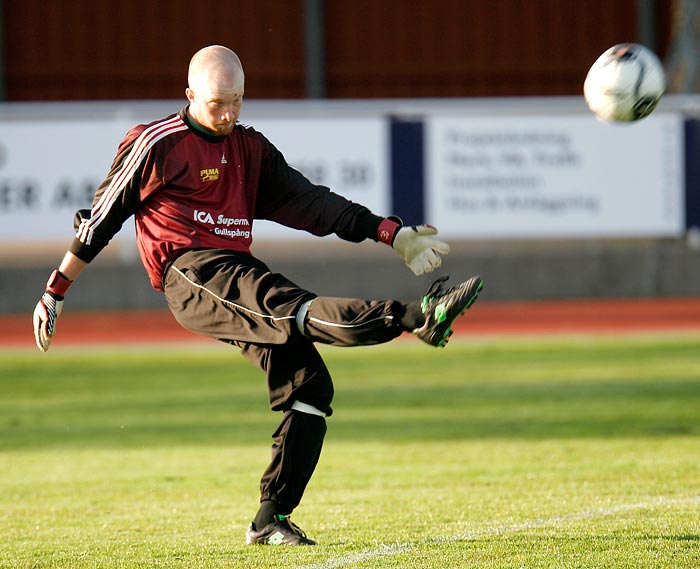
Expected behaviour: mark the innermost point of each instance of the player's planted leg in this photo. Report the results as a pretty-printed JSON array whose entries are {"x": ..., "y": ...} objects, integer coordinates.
[
  {"x": 295, "y": 453},
  {"x": 299, "y": 385}
]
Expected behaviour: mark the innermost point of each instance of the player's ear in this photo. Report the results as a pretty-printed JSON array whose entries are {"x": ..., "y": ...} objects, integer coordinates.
[{"x": 189, "y": 94}]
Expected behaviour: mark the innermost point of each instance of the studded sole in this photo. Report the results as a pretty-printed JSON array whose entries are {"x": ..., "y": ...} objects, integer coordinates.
[{"x": 467, "y": 306}]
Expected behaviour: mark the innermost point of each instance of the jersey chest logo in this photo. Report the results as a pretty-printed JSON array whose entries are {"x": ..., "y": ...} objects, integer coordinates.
[{"x": 209, "y": 174}]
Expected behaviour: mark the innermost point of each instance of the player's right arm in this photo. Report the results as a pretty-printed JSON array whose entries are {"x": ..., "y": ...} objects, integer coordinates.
[
  {"x": 50, "y": 305},
  {"x": 115, "y": 201}
]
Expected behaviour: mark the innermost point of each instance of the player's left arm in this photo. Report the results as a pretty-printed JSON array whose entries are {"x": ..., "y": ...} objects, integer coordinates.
[
  {"x": 418, "y": 245},
  {"x": 288, "y": 197}
]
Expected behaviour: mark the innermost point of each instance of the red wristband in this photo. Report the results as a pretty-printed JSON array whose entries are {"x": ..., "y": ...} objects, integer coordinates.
[
  {"x": 387, "y": 231},
  {"x": 58, "y": 283}
]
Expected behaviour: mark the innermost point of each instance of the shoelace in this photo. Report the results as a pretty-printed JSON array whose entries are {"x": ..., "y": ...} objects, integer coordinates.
[
  {"x": 436, "y": 289},
  {"x": 294, "y": 527},
  {"x": 297, "y": 529}
]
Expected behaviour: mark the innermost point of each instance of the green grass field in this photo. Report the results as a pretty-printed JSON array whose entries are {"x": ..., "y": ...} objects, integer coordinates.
[{"x": 540, "y": 453}]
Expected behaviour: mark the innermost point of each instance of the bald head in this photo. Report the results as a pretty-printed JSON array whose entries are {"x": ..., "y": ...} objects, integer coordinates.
[
  {"x": 216, "y": 83},
  {"x": 215, "y": 66}
]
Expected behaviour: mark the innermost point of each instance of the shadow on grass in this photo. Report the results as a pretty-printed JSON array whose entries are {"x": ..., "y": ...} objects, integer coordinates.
[
  {"x": 522, "y": 411},
  {"x": 138, "y": 400}
]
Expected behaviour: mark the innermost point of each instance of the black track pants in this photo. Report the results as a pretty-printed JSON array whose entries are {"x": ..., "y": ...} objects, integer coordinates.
[
  {"x": 296, "y": 448},
  {"x": 235, "y": 298}
]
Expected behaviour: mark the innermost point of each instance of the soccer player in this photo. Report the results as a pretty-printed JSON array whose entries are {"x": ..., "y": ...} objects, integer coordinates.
[{"x": 195, "y": 181}]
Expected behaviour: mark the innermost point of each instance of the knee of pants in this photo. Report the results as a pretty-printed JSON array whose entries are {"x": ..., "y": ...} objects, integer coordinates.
[
  {"x": 317, "y": 392},
  {"x": 296, "y": 372}
]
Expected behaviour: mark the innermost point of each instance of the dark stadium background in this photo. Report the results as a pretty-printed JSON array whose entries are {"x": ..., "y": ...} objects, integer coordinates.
[{"x": 137, "y": 49}]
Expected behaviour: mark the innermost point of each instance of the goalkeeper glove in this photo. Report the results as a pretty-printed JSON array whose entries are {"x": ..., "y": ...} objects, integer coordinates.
[
  {"x": 416, "y": 244},
  {"x": 48, "y": 309}
]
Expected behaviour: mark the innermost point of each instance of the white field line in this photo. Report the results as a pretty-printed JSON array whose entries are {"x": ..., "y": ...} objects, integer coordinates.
[{"x": 496, "y": 530}]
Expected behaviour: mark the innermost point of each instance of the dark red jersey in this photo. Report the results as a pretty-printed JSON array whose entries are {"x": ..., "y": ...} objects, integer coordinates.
[{"x": 190, "y": 190}]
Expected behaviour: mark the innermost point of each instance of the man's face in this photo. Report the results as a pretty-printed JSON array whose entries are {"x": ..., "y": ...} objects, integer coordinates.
[{"x": 216, "y": 107}]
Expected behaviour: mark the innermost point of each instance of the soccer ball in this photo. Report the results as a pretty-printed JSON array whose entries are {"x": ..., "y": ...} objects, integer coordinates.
[{"x": 625, "y": 83}]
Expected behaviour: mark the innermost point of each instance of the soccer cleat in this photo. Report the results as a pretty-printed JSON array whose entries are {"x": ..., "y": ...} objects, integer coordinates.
[
  {"x": 280, "y": 532},
  {"x": 442, "y": 307}
]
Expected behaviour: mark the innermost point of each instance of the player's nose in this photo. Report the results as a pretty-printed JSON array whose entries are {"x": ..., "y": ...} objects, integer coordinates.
[{"x": 228, "y": 113}]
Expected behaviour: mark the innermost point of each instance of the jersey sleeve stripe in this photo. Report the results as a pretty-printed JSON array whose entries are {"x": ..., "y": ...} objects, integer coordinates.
[{"x": 140, "y": 149}]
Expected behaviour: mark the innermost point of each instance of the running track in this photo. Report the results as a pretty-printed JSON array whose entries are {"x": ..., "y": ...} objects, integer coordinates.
[{"x": 485, "y": 318}]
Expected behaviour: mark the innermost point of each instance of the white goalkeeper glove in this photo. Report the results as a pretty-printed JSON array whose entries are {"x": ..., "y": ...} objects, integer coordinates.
[
  {"x": 420, "y": 248},
  {"x": 48, "y": 309},
  {"x": 417, "y": 244}
]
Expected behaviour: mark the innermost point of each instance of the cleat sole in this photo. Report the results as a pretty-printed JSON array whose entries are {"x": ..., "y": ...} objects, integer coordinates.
[
  {"x": 437, "y": 329},
  {"x": 442, "y": 343}
]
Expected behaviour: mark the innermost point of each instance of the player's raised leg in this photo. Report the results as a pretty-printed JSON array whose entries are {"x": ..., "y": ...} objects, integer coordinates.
[{"x": 353, "y": 322}]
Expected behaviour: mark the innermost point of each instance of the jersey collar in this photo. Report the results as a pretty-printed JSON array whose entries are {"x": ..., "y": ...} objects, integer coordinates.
[{"x": 197, "y": 129}]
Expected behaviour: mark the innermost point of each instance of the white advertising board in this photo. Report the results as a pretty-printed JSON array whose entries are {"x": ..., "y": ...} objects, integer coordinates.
[
  {"x": 554, "y": 177},
  {"x": 51, "y": 168}
]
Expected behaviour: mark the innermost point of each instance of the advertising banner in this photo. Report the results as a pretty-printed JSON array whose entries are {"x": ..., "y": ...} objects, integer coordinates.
[
  {"x": 554, "y": 177},
  {"x": 528, "y": 176},
  {"x": 50, "y": 169}
]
